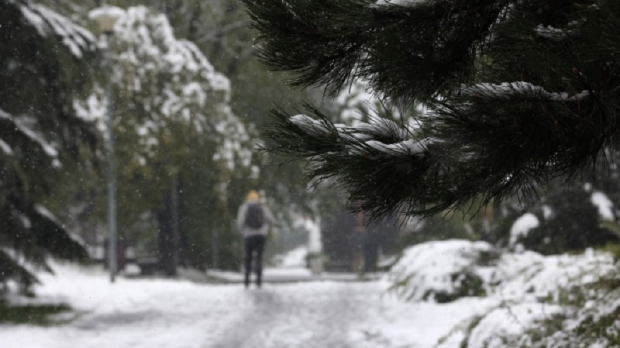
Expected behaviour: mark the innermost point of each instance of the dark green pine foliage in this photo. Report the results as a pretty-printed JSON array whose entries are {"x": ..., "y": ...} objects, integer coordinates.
[
  {"x": 41, "y": 69},
  {"x": 518, "y": 92},
  {"x": 574, "y": 225}
]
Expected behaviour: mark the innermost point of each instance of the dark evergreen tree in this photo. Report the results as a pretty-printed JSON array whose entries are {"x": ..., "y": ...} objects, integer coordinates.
[
  {"x": 518, "y": 92},
  {"x": 572, "y": 224},
  {"x": 42, "y": 68}
]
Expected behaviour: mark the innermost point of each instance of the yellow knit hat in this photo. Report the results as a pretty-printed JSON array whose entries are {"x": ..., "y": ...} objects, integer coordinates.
[{"x": 252, "y": 196}]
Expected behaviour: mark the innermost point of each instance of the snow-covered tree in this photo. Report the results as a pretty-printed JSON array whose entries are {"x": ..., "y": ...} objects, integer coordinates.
[
  {"x": 42, "y": 69},
  {"x": 222, "y": 31},
  {"x": 518, "y": 92},
  {"x": 172, "y": 120}
]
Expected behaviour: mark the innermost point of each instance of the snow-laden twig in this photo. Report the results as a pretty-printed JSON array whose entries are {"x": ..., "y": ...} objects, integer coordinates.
[
  {"x": 507, "y": 90},
  {"x": 48, "y": 22},
  {"x": 22, "y": 126}
]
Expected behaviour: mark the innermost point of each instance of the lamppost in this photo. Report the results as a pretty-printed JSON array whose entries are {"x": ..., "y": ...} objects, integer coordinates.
[{"x": 106, "y": 17}]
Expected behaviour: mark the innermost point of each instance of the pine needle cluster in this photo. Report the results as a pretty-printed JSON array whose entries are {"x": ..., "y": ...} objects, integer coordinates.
[
  {"x": 517, "y": 92},
  {"x": 43, "y": 70}
]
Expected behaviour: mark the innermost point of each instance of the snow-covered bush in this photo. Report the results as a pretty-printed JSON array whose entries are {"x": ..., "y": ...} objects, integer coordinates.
[
  {"x": 587, "y": 316},
  {"x": 442, "y": 271},
  {"x": 503, "y": 326},
  {"x": 554, "y": 301}
]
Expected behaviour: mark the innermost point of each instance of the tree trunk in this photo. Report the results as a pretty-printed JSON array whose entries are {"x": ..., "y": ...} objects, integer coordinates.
[
  {"x": 168, "y": 234},
  {"x": 177, "y": 222}
]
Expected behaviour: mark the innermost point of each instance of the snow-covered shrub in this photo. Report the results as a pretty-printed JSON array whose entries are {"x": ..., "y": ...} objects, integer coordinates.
[
  {"x": 554, "y": 301},
  {"x": 587, "y": 319},
  {"x": 545, "y": 278},
  {"x": 504, "y": 325},
  {"x": 446, "y": 270},
  {"x": 442, "y": 271}
]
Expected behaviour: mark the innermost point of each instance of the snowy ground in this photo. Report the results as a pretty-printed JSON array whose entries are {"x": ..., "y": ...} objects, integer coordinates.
[
  {"x": 299, "y": 309},
  {"x": 180, "y": 314}
]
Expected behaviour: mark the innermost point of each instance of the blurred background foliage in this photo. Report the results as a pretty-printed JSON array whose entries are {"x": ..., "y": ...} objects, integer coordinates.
[
  {"x": 207, "y": 192},
  {"x": 181, "y": 200}
]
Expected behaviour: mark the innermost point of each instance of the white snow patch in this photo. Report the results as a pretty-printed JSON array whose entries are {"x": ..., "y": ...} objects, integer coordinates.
[
  {"x": 310, "y": 125},
  {"x": 522, "y": 226},
  {"x": 508, "y": 321},
  {"x": 106, "y": 13},
  {"x": 604, "y": 204},
  {"x": 550, "y": 32},
  {"x": 547, "y": 212},
  {"x": 295, "y": 258},
  {"x": 6, "y": 148},
  {"x": 429, "y": 268}
]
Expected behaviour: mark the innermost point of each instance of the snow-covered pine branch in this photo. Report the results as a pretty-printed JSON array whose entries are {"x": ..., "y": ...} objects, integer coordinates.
[
  {"x": 49, "y": 23},
  {"x": 364, "y": 138},
  {"x": 516, "y": 94},
  {"x": 507, "y": 90},
  {"x": 25, "y": 127}
]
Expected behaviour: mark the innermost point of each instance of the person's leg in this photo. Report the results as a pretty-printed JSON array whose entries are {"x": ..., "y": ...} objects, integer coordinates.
[
  {"x": 260, "y": 246},
  {"x": 249, "y": 248},
  {"x": 370, "y": 252}
]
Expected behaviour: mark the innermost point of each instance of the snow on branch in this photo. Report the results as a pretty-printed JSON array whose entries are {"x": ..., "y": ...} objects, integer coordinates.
[
  {"x": 401, "y": 2},
  {"x": 106, "y": 13},
  {"x": 46, "y": 214},
  {"x": 378, "y": 128},
  {"x": 550, "y": 32},
  {"x": 49, "y": 149},
  {"x": 14, "y": 267},
  {"x": 6, "y": 148},
  {"x": 365, "y": 136},
  {"x": 47, "y": 22},
  {"x": 22, "y": 126},
  {"x": 604, "y": 205},
  {"x": 407, "y": 147},
  {"x": 310, "y": 125},
  {"x": 507, "y": 90}
]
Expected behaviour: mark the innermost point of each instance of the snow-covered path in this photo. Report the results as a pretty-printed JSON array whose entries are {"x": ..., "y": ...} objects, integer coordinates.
[
  {"x": 178, "y": 314},
  {"x": 287, "y": 316}
]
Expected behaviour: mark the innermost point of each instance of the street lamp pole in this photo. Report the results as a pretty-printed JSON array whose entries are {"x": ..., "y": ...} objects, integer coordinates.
[
  {"x": 106, "y": 17},
  {"x": 112, "y": 258}
]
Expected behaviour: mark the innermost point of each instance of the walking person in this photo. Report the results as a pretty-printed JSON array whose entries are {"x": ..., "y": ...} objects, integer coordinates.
[{"x": 253, "y": 220}]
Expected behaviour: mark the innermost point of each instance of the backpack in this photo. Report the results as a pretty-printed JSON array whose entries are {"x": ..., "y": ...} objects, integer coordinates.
[{"x": 254, "y": 216}]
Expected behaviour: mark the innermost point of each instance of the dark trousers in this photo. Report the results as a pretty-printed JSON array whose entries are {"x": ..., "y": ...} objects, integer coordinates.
[
  {"x": 254, "y": 246},
  {"x": 370, "y": 250}
]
